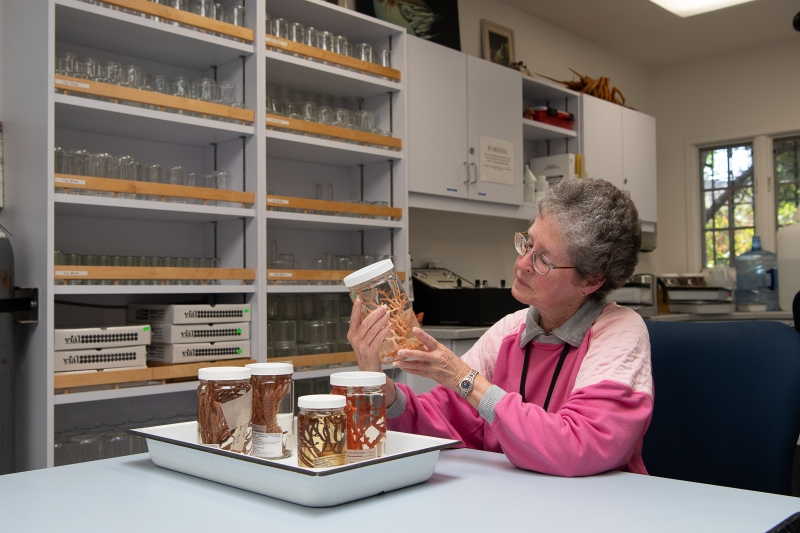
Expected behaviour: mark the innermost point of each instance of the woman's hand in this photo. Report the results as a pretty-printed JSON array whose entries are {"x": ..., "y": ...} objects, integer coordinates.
[
  {"x": 366, "y": 336},
  {"x": 435, "y": 362}
]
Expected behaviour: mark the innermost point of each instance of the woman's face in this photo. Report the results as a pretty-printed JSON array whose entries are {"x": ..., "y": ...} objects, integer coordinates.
[{"x": 558, "y": 290}]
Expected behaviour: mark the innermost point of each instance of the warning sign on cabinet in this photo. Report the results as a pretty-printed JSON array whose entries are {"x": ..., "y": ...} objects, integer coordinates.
[{"x": 497, "y": 161}]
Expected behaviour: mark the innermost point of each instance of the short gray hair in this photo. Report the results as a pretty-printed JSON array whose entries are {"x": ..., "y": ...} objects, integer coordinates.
[{"x": 601, "y": 227}]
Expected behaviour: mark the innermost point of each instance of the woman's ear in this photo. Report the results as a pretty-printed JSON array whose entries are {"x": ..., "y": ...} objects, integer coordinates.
[{"x": 590, "y": 287}]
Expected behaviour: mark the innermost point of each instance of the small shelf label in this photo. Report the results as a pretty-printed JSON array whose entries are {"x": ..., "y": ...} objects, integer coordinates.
[
  {"x": 71, "y": 181},
  {"x": 277, "y": 121},
  {"x": 72, "y": 273},
  {"x": 280, "y": 274},
  {"x": 277, "y": 201},
  {"x": 70, "y": 83},
  {"x": 278, "y": 42}
]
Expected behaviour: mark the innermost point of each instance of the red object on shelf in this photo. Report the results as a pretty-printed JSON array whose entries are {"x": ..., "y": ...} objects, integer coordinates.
[{"x": 554, "y": 117}]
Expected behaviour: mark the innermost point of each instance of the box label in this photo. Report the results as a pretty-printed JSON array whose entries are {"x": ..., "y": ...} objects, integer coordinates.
[
  {"x": 72, "y": 273},
  {"x": 69, "y": 83}
]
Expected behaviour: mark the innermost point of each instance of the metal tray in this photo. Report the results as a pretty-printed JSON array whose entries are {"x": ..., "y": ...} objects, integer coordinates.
[{"x": 409, "y": 459}]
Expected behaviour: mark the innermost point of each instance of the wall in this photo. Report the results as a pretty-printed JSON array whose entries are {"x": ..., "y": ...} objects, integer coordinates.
[
  {"x": 729, "y": 96},
  {"x": 478, "y": 246}
]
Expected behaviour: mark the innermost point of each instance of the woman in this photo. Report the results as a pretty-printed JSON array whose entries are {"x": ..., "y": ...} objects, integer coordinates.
[{"x": 563, "y": 387}]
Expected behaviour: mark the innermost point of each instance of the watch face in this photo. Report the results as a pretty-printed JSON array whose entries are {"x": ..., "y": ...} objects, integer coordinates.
[{"x": 465, "y": 384}]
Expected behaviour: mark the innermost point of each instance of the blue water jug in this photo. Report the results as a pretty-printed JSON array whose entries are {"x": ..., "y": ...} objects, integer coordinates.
[{"x": 757, "y": 277}]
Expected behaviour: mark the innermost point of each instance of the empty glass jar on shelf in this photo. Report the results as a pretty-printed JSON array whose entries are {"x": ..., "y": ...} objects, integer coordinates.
[{"x": 76, "y": 260}]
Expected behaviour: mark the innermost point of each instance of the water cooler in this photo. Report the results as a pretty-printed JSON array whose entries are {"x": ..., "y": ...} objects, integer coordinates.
[{"x": 757, "y": 279}]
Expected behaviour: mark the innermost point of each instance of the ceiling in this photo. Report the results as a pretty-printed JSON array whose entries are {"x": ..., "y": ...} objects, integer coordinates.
[{"x": 651, "y": 35}]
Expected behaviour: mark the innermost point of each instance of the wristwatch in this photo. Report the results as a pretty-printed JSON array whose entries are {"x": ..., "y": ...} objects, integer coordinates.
[{"x": 466, "y": 384}]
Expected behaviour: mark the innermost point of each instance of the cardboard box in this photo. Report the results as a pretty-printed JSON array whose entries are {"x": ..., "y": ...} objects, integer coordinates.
[
  {"x": 183, "y": 333},
  {"x": 108, "y": 337},
  {"x": 188, "y": 314},
  {"x": 100, "y": 359},
  {"x": 198, "y": 352}
]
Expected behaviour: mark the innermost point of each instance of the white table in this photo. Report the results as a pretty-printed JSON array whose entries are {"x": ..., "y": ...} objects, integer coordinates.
[{"x": 470, "y": 491}]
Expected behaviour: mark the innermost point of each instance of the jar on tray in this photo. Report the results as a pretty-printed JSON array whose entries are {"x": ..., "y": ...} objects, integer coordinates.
[
  {"x": 378, "y": 285},
  {"x": 273, "y": 407},
  {"x": 224, "y": 408},
  {"x": 321, "y": 431},
  {"x": 365, "y": 408}
]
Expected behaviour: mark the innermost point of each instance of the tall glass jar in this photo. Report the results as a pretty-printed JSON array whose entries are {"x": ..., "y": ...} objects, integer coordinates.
[
  {"x": 378, "y": 285},
  {"x": 365, "y": 408},
  {"x": 224, "y": 408},
  {"x": 273, "y": 409},
  {"x": 321, "y": 431}
]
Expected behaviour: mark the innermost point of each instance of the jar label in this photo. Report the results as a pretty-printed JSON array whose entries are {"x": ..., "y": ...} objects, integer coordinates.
[
  {"x": 237, "y": 414},
  {"x": 269, "y": 445},
  {"x": 356, "y": 456},
  {"x": 69, "y": 83},
  {"x": 329, "y": 461}
]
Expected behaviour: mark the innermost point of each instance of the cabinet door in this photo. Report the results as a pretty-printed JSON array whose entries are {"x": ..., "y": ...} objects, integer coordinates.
[
  {"x": 639, "y": 161},
  {"x": 601, "y": 131},
  {"x": 437, "y": 119},
  {"x": 494, "y": 120}
]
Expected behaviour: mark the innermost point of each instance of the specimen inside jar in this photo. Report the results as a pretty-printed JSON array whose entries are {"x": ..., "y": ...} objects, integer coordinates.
[
  {"x": 321, "y": 438},
  {"x": 366, "y": 422},
  {"x": 401, "y": 318},
  {"x": 223, "y": 415},
  {"x": 268, "y": 432}
]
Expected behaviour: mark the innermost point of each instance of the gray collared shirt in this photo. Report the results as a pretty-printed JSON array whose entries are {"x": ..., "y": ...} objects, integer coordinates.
[{"x": 572, "y": 331}]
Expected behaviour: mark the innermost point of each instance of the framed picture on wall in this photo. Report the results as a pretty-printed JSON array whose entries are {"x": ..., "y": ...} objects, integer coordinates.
[
  {"x": 433, "y": 20},
  {"x": 497, "y": 43}
]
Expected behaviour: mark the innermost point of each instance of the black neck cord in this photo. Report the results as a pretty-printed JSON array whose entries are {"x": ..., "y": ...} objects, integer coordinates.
[{"x": 524, "y": 377}]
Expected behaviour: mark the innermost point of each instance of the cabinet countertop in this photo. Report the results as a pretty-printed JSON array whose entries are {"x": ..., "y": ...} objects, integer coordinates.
[
  {"x": 736, "y": 315},
  {"x": 442, "y": 333}
]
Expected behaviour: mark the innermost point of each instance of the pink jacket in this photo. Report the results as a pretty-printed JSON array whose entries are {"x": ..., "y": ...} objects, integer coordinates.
[{"x": 599, "y": 411}]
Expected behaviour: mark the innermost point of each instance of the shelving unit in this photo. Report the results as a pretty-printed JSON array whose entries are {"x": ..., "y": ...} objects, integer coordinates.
[
  {"x": 544, "y": 139},
  {"x": 45, "y": 211}
]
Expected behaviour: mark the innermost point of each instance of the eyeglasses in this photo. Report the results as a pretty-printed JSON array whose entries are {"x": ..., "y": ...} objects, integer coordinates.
[{"x": 540, "y": 263}]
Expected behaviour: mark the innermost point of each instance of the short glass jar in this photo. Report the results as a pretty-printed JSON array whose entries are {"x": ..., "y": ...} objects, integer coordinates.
[
  {"x": 365, "y": 408},
  {"x": 224, "y": 408},
  {"x": 273, "y": 409},
  {"x": 321, "y": 431},
  {"x": 378, "y": 285}
]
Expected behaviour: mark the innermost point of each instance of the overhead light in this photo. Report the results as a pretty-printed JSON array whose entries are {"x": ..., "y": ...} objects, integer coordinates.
[{"x": 689, "y": 8}]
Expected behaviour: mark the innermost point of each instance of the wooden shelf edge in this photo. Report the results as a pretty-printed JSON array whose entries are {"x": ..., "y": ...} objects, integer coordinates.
[
  {"x": 302, "y": 361},
  {"x": 117, "y": 92},
  {"x": 67, "y": 380},
  {"x": 314, "y": 275},
  {"x": 198, "y": 21},
  {"x": 70, "y": 181},
  {"x": 281, "y": 122},
  {"x": 64, "y": 272},
  {"x": 336, "y": 207},
  {"x": 332, "y": 57}
]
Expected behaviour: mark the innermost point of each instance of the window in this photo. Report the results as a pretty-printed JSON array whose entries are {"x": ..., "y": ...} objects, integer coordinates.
[
  {"x": 728, "y": 202},
  {"x": 787, "y": 179}
]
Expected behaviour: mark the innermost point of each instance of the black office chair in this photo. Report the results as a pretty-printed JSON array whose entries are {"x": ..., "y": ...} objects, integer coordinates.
[{"x": 727, "y": 404}]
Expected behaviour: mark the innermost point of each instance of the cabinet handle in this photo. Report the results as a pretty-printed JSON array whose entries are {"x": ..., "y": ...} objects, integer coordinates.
[
  {"x": 466, "y": 165},
  {"x": 475, "y": 167}
]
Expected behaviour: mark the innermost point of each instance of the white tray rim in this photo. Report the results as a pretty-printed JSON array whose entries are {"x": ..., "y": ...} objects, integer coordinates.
[{"x": 440, "y": 444}]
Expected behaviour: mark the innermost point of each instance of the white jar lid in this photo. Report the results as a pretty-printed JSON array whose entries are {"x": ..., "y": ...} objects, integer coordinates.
[
  {"x": 358, "y": 379},
  {"x": 223, "y": 373},
  {"x": 321, "y": 401},
  {"x": 270, "y": 369},
  {"x": 368, "y": 272}
]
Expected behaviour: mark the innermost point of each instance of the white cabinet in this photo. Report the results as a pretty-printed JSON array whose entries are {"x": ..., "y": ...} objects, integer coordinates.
[
  {"x": 458, "y": 103},
  {"x": 619, "y": 145}
]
